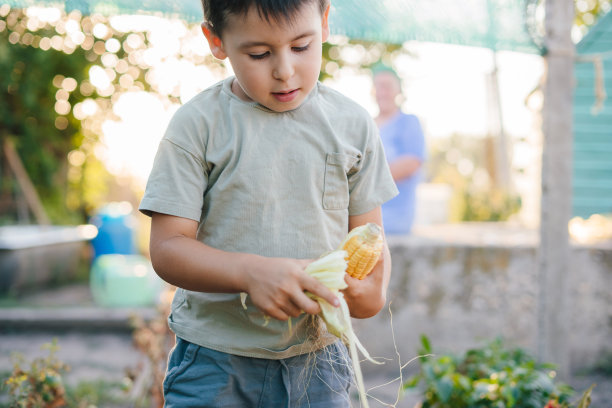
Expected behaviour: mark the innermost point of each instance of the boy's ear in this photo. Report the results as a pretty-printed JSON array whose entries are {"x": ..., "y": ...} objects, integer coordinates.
[
  {"x": 214, "y": 42},
  {"x": 325, "y": 24}
]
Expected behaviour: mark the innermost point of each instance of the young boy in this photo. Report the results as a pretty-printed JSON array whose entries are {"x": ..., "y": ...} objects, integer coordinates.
[{"x": 255, "y": 177}]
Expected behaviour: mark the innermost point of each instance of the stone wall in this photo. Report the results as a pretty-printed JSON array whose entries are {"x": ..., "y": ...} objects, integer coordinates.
[{"x": 463, "y": 285}]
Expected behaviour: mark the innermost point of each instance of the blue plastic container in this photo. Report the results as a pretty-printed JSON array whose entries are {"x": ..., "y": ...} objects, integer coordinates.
[{"x": 116, "y": 234}]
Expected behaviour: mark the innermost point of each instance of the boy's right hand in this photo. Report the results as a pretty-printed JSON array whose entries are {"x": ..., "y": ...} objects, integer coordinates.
[{"x": 277, "y": 287}]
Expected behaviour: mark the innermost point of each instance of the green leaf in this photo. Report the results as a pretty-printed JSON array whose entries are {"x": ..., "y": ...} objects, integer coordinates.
[
  {"x": 429, "y": 373},
  {"x": 481, "y": 388},
  {"x": 444, "y": 388},
  {"x": 508, "y": 393},
  {"x": 464, "y": 382},
  {"x": 412, "y": 382},
  {"x": 426, "y": 345}
]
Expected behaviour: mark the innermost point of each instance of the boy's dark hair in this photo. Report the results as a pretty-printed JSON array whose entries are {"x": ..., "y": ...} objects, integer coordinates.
[{"x": 217, "y": 11}]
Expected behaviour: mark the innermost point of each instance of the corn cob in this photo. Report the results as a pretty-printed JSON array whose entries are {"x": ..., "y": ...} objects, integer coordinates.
[{"x": 363, "y": 245}]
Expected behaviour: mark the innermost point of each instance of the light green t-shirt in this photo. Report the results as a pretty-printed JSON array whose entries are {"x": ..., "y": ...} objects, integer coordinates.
[{"x": 266, "y": 183}]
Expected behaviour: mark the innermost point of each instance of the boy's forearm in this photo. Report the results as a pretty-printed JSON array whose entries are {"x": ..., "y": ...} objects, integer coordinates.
[{"x": 192, "y": 265}]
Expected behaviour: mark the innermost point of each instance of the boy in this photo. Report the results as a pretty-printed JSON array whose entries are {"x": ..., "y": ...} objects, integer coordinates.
[{"x": 255, "y": 177}]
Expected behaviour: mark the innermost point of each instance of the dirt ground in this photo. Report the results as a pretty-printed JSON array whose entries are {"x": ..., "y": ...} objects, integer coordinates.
[{"x": 94, "y": 353}]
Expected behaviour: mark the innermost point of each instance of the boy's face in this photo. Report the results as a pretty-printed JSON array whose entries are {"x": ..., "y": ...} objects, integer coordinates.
[{"x": 276, "y": 64}]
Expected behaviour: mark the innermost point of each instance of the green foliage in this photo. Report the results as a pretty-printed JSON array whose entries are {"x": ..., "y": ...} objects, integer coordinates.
[
  {"x": 30, "y": 86},
  {"x": 365, "y": 54},
  {"x": 468, "y": 165},
  {"x": 30, "y": 83},
  {"x": 493, "y": 205},
  {"x": 45, "y": 85},
  {"x": 41, "y": 384},
  {"x": 492, "y": 376},
  {"x": 97, "y": 393},
  {"x": 587, "y": 12}
]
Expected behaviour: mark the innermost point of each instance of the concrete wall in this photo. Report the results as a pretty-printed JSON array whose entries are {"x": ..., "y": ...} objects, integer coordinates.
[{"x": 463, "y": 285}]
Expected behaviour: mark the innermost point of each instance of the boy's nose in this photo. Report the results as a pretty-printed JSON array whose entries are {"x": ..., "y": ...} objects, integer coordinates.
[{"x": 283, "y": 69}]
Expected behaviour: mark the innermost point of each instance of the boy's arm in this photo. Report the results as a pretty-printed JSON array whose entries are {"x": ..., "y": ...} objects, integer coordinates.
[
  {"x": 367, "y": 297},
  {"x": 275, "y": 285}
]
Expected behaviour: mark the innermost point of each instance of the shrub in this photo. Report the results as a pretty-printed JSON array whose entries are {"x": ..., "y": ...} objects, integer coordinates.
[
  {"x": 41, "y": 384},
  {"x": 492, "y": 376}
]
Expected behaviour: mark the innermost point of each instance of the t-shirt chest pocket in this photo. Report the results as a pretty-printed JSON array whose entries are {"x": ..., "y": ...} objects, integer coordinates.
[{"x": 336, "y": 186}]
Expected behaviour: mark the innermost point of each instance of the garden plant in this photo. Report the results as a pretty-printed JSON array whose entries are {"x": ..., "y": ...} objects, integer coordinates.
[{"x": 492, "y": 376}]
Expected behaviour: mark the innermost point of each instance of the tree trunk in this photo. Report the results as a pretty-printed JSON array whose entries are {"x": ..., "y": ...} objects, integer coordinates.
[{"x": 27, "y": 188}]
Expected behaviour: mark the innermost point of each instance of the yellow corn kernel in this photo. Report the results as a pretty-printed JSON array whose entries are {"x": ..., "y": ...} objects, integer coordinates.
[{"x": 363, "y": 245}]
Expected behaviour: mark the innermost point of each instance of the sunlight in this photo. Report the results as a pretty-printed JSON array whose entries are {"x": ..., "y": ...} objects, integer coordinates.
[
  {"x": 44, "y": 15},
  {"x": 129, "y": 144},
  {"x": 100, "y": 79},
  {"x": 129, "y": 141}
]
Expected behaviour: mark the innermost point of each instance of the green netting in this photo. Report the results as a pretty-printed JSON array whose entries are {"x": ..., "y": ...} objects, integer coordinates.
[{"x": 495, "y": 24}]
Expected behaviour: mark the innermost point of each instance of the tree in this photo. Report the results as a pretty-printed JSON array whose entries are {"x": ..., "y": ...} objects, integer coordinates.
[
  {"x": 39, "y": 85},
  {"x": 52, "y": 111},
  {"x": 586, "y": 13}
]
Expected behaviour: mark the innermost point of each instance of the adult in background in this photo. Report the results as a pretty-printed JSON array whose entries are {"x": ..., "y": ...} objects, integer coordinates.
[{"x": 404, "y": 144}]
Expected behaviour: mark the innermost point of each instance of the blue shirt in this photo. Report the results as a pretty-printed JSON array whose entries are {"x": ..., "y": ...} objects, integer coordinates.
[{"x": 402, "y": 135}]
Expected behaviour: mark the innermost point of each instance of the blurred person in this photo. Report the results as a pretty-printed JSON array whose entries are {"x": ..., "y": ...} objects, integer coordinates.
[
  {"x": 404, "y": 145},
  {"x": 255, "y": 177}
]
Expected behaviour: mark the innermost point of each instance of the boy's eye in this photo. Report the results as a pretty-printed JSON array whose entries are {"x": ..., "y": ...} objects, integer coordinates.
[
  {"x": 300, "y": 49},
  {"x": 259, "y": 56}
]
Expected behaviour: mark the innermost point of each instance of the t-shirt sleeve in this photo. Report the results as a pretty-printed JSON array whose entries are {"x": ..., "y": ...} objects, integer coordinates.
[
  {"x": 176, "y": 184},
  {"x": 371, "y": 183},
  {"x": 411, "y": 140}
]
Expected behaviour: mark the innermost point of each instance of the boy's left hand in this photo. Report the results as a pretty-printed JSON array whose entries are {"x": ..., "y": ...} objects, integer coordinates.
[{"x": 366, "y": 297}]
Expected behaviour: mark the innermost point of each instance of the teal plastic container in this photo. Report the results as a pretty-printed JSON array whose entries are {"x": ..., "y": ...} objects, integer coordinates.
[{"x": 124, "y": 281}]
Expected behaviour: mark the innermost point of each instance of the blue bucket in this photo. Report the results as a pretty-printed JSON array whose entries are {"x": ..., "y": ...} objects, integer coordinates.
[{"x": 116, "y": 230}]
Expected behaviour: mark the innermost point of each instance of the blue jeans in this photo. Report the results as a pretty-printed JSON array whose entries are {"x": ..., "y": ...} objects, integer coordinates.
[{"x": 201, "y": 377}]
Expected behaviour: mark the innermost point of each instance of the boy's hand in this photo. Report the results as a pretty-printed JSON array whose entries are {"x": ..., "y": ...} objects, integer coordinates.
[
  {"x": 277, "y": 287},
  {"x": 358, "y": 288},
  {"x": 366, "y": 297}
]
